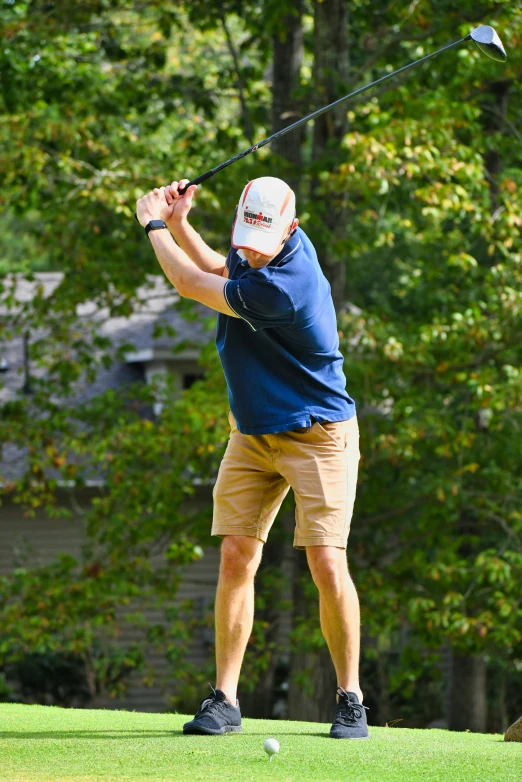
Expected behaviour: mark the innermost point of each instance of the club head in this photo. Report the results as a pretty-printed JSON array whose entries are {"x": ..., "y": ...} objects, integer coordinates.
[{"x": 488, "y": 42}]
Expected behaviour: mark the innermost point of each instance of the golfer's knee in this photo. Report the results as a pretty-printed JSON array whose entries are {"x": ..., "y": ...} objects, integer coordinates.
[
  {"x": 329, "y": 570},
  {"x": 329, "y": 581},
  {"x": 240, "y": 557}
]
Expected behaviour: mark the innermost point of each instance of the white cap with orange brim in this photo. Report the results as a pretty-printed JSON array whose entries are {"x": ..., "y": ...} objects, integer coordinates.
[{"x": 265, "y": 209}]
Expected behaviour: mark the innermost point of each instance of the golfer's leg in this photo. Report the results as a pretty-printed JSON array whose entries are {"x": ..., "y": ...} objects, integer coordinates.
[
  {"x": 234, "y": 612},
  {"x": 339, "y": 612}
]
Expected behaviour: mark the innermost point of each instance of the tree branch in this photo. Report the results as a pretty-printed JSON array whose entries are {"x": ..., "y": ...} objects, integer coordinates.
[{"x": 247, "y": 123}]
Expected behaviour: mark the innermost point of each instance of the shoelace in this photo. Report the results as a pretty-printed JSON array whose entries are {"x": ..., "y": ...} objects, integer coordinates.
[
  {"x": 209, "y": 704},
  {"x": 348, "y": 712}
]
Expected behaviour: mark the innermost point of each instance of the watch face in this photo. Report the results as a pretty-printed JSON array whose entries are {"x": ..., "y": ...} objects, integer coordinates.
[{"x": 154, "y": 225}]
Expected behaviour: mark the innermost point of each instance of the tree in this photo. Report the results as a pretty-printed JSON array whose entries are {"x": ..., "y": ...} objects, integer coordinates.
[
  {"x": 449, "y": 398},
  {"x": 411, "y": 195}
]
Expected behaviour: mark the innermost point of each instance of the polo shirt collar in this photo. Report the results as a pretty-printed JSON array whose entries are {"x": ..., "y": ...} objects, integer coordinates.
[{"x": 288, "y": 250}]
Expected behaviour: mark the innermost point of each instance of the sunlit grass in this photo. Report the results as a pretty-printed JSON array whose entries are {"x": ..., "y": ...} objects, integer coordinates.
[{"x": 42, "y": 743}]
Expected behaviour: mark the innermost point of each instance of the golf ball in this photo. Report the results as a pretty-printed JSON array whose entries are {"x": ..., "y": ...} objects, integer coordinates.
[{"x": 271, "y": 746}]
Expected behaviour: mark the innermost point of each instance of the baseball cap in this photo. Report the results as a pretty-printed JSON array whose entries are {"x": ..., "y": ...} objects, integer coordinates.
[{"x": 266, "y": 207}]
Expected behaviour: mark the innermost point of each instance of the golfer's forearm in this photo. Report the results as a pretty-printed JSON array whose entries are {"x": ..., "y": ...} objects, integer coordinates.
[
  {"x": 205, "y": 258},
  {"x": 178, "y": 268}
]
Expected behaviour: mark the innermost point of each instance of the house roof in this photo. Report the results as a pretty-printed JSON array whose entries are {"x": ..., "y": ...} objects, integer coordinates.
[{"x": 157, "y": 330}]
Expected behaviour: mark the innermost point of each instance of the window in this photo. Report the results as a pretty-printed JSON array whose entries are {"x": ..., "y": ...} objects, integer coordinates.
[{"x": 189, "y": 379}]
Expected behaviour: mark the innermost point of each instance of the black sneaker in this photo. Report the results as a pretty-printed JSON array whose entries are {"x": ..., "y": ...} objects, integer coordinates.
[
  {"x": 350, "y": 717},
  {"x": 215, "y": 716}
]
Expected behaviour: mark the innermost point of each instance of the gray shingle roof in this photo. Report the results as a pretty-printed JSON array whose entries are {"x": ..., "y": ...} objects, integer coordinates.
[{"x": 158, "y": 305}]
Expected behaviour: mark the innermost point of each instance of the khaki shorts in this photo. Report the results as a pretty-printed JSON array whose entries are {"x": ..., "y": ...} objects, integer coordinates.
[{"x": 257, "y": 471}]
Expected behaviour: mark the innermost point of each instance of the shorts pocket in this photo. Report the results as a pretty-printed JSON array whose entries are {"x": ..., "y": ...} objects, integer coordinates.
[{"x": 335, "y": 432}]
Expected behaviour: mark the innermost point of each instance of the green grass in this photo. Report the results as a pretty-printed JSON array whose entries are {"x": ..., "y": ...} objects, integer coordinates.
[{"x": 42, "y": 743}]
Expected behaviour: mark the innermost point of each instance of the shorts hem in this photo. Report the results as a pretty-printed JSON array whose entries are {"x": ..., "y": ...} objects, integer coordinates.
[
  {"x": 222, "y": 530},
  {"x": 303, "y": 542}
]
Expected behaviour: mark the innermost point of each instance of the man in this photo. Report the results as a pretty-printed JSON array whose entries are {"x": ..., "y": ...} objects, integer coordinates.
[{"x": 292, "y": 424}]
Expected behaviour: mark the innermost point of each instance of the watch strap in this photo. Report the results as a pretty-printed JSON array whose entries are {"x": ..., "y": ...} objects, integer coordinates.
[{"x": 154, "y": 225}]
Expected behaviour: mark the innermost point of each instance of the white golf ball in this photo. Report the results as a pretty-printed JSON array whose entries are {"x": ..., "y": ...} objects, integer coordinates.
[{"x": 271, "y": 746}]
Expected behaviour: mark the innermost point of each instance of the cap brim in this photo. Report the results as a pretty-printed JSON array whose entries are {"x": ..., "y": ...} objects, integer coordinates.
[{"x": 247, "y": 238}]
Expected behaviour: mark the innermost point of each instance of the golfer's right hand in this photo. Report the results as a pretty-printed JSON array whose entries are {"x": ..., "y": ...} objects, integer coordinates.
[{"x": 182, "y": 203}]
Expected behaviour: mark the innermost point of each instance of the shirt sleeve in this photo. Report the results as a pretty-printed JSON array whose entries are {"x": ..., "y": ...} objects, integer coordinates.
[{"x": 259, "y": 302}]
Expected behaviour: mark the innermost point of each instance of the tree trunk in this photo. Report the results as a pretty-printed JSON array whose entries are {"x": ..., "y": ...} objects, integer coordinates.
[
  {"x": 498, "y": 721},
  {"x": 315, "y": 701},
  {"x": 330, "y": 71},
  {"x": 287, "y": 61},
  {"x": 258, "y": 703},
  {"x": 495, "y": 122},
  {"x": 468, "y": 705},
  {"x": 313, "y": 681},
  {"x": 382, "y": 712},
  {"x": 331, "y": 66}
]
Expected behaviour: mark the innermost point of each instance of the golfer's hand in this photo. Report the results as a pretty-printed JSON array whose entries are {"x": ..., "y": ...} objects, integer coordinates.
[
  {"x": 153, "y": 206},
  {"x": 181, "y": 204}
]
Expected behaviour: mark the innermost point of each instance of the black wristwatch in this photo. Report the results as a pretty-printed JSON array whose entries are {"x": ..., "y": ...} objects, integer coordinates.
[{"x": 154, "y": 225}]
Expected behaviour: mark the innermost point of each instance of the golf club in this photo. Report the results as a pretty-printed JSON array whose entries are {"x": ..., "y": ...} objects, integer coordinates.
[{"x": 484, "y": 36}]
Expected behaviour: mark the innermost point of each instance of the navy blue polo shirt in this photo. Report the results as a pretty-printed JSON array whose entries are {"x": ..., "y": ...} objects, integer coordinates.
[{"x": 281, "y": 356}]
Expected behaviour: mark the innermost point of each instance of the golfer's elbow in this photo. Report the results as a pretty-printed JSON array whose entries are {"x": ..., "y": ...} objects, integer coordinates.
[
  {"x": 183, "y": 289},
  {"x": 185, "y": 284}
]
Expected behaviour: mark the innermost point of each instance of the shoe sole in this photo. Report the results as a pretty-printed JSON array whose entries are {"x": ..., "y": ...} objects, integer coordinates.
[
  {"x": 351, "y": 738},
  {"x": 209, "y": 732}
]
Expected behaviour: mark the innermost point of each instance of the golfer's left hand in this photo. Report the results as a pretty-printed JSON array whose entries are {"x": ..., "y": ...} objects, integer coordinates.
[{"x": 153, "y": 206}]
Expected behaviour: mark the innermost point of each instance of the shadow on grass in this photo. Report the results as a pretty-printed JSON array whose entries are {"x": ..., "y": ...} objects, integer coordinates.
[
  {"x": 118, "y": 735},
  {"x": 87, "y": 734}
]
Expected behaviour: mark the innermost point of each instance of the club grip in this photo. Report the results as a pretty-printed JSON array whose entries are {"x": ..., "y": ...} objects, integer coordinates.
[{"x": 196, "y": 181}]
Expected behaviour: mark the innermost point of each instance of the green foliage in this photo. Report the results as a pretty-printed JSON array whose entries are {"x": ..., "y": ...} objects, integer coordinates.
[
  {"x": 101, "y": 101},
  {"x": 433, "y": 358}
]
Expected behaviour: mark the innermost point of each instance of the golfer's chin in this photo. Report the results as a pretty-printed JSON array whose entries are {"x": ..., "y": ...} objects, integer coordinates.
[{"x": 257, "y": 260}]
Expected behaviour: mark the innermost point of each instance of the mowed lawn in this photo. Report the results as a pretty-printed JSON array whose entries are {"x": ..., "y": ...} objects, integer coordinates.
[{"x": 42, "y": 743}]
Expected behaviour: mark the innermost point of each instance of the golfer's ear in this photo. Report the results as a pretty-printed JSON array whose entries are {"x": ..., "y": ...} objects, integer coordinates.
[{"x": 295, "y": 223}]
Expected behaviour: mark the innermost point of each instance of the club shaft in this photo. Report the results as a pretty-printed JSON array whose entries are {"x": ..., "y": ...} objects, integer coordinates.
[{"x": 318, "y": 113}]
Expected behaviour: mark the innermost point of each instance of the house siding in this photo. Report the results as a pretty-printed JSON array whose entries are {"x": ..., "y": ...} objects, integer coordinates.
[{"x": 35, "y": 541}]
